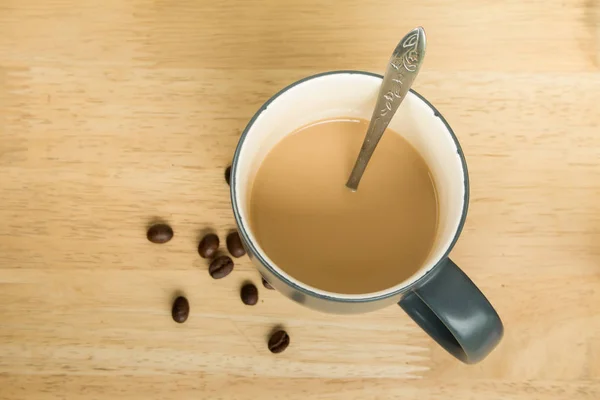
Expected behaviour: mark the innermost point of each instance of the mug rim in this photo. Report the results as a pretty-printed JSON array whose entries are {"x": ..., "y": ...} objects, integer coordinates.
[{"x": 332, "y": 296}]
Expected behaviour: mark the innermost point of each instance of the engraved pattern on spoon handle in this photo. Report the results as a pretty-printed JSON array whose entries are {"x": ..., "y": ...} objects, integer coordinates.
[{"x": 401, "y": 72}]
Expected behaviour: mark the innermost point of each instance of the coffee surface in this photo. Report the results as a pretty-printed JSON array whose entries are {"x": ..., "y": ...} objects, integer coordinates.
[{"x": 324, "y": 235}]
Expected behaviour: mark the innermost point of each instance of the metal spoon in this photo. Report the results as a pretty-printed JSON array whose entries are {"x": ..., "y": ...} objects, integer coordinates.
[{"x": 400, "y": 74}]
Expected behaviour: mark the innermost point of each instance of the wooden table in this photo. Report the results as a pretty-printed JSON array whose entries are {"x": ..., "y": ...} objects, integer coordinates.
[{"x": 114, "y": 113}]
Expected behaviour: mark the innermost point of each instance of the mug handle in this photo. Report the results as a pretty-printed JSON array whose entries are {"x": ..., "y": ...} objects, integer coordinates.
[{"x": 454, "y": 312}]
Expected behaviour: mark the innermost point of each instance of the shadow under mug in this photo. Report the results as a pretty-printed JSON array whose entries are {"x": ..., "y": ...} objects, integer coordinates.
[{"x": 439, "y": 297}]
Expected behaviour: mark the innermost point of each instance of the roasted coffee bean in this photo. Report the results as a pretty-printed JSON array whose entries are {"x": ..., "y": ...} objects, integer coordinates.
[
  {"x": 234, "y": 245},
  {"x": 160, "y": 233},
  {"x": 208, "y": 246},
  {"x": 228, "y": 175},
  {"x": 181, "y": 310},
  {"x": 249, "y": 294},
  {"x": 220, "y": 267},
  {"x": 267, "y": 284},
  {"x": 279, "y": 341}
]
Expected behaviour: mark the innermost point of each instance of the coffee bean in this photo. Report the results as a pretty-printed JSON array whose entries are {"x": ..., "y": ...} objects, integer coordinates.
[
  {"x": 234, "y": 245},
  {"x": 181, "y": 310},
  {"x": 279, "y": 341},
  {"x": 249, "y": 294},
  {"x": 160, "y": 233},
  {"x": 228, "y": 175},
  {"x": 220, "y": 267},
  {"x": 208, "y": 246},
  {"x": 267, "y": 284}
]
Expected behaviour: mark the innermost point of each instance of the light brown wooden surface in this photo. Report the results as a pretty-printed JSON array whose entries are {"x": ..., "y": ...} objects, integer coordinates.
[{"x": 116, "y": 112}]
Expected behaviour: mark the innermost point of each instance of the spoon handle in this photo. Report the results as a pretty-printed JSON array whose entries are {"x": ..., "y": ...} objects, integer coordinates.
[{"x": 400, "y": 74}]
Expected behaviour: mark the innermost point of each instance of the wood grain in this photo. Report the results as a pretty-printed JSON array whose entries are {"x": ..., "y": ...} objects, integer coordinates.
[{"x": 117, "y": 113}]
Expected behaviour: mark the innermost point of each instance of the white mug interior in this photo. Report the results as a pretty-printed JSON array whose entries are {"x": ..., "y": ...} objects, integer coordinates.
[{"x": 353, "y": 94}]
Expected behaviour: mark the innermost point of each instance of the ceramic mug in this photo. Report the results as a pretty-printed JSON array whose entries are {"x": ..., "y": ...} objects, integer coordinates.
[{"x": 439, "y": 297}]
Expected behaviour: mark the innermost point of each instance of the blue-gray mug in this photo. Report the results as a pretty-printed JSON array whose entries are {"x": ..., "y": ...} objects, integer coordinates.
[{"x": 439, "y": 297}]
